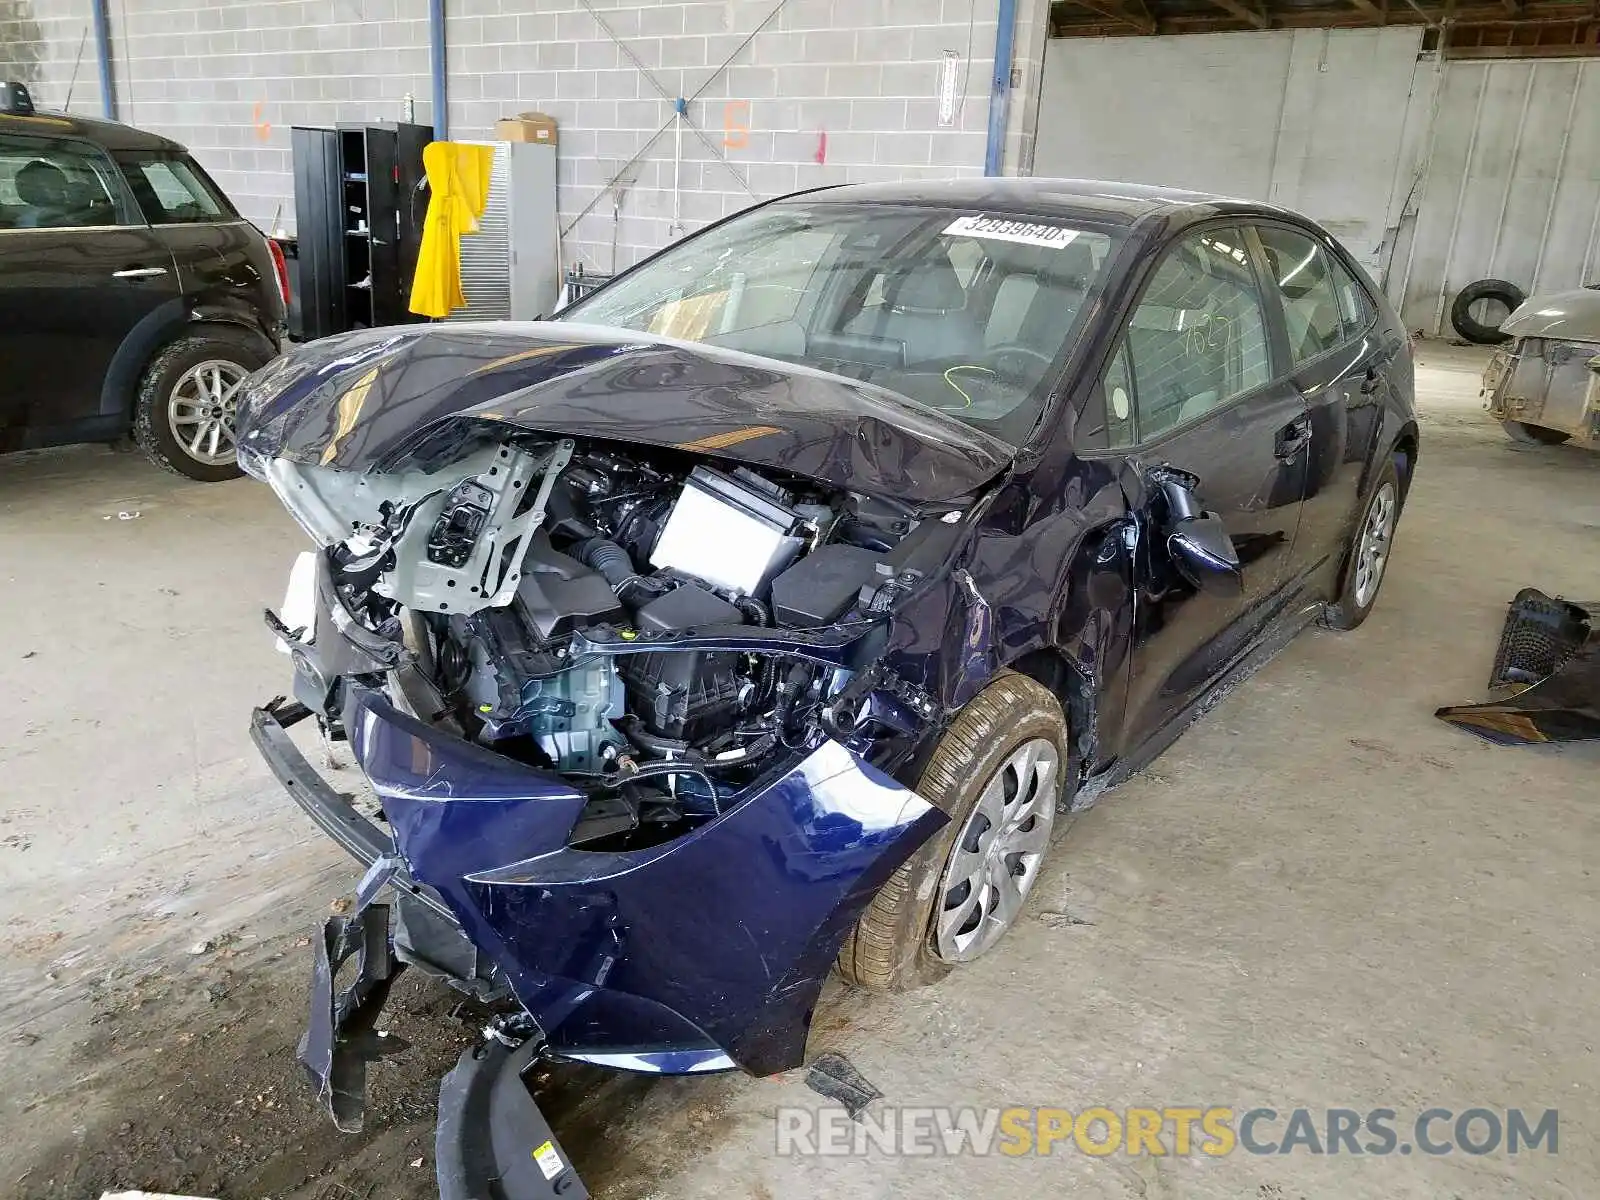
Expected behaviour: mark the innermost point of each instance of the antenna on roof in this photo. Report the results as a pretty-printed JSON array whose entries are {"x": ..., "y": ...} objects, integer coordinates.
[{"x": 14, "y": 99}]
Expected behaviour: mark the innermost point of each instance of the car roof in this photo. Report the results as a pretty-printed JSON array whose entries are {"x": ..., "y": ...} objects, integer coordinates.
[
  {"x": 111, "y": 135},
  {"x": 1093, "y": 200}
]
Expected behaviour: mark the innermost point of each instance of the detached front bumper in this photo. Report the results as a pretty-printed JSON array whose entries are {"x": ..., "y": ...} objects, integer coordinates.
[
  {"x": 492, "y": 1142},
  {"x": 701, "y": 953}
]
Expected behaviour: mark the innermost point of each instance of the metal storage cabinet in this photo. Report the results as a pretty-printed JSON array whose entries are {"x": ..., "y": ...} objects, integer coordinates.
[{"x": 359, "y": 214}]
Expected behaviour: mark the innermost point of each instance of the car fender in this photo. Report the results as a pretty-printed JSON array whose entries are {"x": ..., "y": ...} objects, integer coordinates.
[{"x": 121, "y": 382}]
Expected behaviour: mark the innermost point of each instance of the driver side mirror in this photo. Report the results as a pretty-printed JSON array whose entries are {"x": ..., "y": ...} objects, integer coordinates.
[
  {"x": 1197, "y": 541},
  {"x": 1204, "y": 555}
]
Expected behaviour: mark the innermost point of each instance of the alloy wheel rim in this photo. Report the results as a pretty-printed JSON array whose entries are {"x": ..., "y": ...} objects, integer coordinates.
[
  {"x": 202, "y": 409},
  {"x": 1372, "y": 553},
  {"x": 997, "y": 855}
]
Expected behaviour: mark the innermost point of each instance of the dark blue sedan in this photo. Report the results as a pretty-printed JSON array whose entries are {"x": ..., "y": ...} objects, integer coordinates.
[{"x": 760, "y": 614}]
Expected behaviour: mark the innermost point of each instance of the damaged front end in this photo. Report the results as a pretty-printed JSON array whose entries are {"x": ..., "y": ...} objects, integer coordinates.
[{"x": 630, "y": 711}]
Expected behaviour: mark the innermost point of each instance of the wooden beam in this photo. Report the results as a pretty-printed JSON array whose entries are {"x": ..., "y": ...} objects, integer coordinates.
[
  {"x": 1581, "y": 50},
  {"x": 1371, "y": 9},
  {"x": 1243, "y": 11},
  {"x": 1140, "y": 20},
  {"x": 1513, "y": 7},
  {"x": 1430, "y": 12}
]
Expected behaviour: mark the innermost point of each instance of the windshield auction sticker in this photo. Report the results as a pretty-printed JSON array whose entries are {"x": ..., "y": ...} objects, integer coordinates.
[{"x": 1005, "y": 229}]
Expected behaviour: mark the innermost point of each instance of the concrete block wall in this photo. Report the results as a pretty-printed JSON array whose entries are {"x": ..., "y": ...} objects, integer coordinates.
[{"x": 827, "y": 91}]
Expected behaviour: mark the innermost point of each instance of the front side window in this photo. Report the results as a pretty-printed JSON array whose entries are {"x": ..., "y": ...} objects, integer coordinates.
[
  {"x": 55, "y": 185},
  {"x": 965, "y": 312},
  {"x": 1306, "y": 284},
  {"x": 171, "y": 190},
  {"x": 1198, "y": 338}
]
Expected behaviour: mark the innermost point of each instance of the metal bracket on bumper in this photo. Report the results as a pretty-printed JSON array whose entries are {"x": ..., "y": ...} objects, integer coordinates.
[{"x": 493, "y": 1143}]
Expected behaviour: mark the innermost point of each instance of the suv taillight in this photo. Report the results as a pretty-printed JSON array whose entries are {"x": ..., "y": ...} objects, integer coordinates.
[{"x": 281, "y": 266}]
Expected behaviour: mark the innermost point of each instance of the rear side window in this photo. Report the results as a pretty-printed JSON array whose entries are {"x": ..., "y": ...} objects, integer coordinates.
[
  {"x": 56, "y": 185},
  {"x": 1308, "y": 288},
  {"x": 172, "y": 190}
]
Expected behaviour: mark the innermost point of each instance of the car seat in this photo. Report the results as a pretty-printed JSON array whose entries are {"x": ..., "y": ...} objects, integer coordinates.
[
  {"x": 48, "y": 193},
  {"x": 924, "y": 309}
]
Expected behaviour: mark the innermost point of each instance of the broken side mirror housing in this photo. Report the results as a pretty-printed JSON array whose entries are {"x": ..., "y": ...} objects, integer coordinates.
[{"x": 1203, "y": 553}]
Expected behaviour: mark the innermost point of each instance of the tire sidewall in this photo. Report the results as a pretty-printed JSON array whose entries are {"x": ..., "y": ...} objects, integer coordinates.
[
  {"x": 1462, "y": 320},
  {"x": 153, "y": 430},
  {"x": 1036, "y": 715},
  {"x": 1348, "y": 612}
]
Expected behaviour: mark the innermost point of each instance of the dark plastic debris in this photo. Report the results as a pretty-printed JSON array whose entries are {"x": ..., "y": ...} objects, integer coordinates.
[
  {"x": 833, "y": 1076},
  {"x": 1548, "y": 662}
]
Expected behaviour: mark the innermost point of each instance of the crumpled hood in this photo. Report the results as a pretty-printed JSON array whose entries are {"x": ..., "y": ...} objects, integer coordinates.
[
  {"x": 1568, "y": 316},
  {"x": 364, "y": 401}
]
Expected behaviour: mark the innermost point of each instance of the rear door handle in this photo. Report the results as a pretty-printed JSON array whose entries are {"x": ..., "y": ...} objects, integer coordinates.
[
  {"x": 138, "y": 273},
  {"x": 1292, "y": 438}
]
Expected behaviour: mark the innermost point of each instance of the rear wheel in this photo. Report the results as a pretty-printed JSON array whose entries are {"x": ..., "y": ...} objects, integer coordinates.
[
  {"x": 1367, "y": 560},
  {"x": 184, "y": 414},
  {"x": 1533, "y": 435},
  {"x": 999, "y": 772}
]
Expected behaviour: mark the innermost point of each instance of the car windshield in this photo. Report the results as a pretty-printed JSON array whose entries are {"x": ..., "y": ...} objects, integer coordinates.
[{"x": 966, "y": 312}]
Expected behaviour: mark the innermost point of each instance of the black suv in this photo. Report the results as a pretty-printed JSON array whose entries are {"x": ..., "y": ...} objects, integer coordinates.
[{"x": 133, "y": 297}]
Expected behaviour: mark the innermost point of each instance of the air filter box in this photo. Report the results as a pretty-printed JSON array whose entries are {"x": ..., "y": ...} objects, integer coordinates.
[{"x": 683, "y": 694}]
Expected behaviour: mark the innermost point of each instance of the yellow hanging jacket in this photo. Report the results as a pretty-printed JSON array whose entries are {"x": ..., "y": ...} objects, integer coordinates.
[{"x": 458, "y": 177}]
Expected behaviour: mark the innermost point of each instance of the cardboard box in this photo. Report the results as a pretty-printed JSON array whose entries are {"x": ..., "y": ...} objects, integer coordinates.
[{"x": 527, "y": 127}]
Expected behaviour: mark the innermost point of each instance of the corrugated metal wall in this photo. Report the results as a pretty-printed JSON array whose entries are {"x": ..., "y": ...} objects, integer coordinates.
[
  {"x": 1511, "y": 188},
  {"x": 1329, "y": 122}
]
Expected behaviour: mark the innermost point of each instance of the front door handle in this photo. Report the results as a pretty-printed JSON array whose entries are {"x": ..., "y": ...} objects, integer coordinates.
[
  {"x": 138, "y": 273},
  {"x": 1292, "y": 438}
]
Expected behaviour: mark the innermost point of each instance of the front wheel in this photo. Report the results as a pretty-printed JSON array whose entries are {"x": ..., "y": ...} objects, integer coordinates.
[
  {"x": 1367, "y": 560},
  {"x": 1533, "y": 435},
  {"x": 999, "y": 771},
  {"x": 184, "y": 413}
]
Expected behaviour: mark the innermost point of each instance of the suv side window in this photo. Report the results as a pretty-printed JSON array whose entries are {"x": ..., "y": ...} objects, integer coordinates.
[
  {"x": 171, "y": 190},
  {"x": 1197, "y": 340},
  {"x": 1303, "y": 274},
  {"x": 56, "y": 185}
]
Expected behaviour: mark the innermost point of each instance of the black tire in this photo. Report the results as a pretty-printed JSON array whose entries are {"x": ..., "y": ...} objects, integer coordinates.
[
  {"x": 1355, "y": 602},
  {"x": 151, "y": 428},
  {"x": 892, "y": 946},
  {"x": 1470, "y": 327},
  {"x": 1533, "y": 435}
]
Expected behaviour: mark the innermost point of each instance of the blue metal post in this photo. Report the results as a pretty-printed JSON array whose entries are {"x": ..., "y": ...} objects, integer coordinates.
[
  {"x": 102, "y": 49},
  {"x": 441, "y": 93},
  {"x": 1000, "y": 93}
]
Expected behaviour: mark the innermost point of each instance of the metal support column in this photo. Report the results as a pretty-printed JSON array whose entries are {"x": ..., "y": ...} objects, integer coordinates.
[
  {"x": 102, "y": 50},
  {"x": 1005, "y": 38},
  {"x": 441, "y": 91}
]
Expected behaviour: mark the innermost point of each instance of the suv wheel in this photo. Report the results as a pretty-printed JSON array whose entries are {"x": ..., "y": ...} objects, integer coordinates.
[{"x": 184, "y": 414}]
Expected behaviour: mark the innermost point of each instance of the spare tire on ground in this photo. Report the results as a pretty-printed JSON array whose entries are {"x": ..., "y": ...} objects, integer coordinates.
[{"x": 1497, "y": 292}]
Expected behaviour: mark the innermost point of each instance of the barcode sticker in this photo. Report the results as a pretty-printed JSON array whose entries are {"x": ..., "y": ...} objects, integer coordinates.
[{"x": 1008, "y": 229}]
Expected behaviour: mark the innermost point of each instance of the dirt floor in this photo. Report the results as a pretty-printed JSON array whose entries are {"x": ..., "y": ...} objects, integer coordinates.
[{"x": 1320, "y": 897}]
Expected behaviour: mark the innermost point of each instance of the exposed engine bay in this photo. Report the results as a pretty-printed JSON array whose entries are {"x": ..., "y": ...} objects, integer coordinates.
[{"x": 529, "y": 578}]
